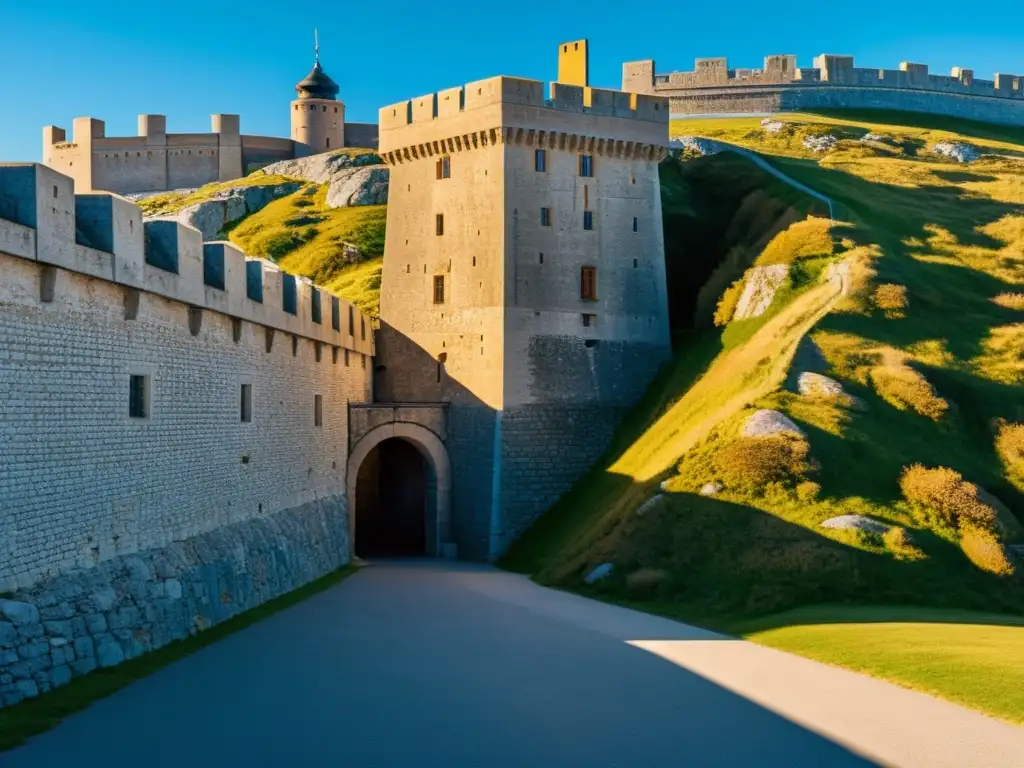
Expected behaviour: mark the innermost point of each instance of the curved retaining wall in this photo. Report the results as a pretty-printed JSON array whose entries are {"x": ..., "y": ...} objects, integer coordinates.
[{"x": 97, "y": 617}]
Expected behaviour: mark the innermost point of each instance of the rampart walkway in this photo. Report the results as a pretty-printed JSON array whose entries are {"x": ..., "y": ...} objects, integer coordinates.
[{"x": 434, "y": 663}]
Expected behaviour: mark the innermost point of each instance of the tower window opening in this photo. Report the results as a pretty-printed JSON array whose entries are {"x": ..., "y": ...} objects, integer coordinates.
[
  {"x": 540, "y": 160},
  {"x": 328, "y": 143},
  {"x": 444, "y": 167},
  {"x": 636, "y": 223},
  {"x": 545, "y": 217},
  {"x": 439, "y": 289},
  {"x": 588, "y": 283},
  {"x": 588, "y": 219},
  {"x": 439, "y": 224},
  {"x": 586, "y": 166}
]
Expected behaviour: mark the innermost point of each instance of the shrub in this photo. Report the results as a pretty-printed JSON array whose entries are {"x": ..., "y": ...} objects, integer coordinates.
[
  {"x": 944, "y": 491},
  {"x": 807, "y": 491},
  {"x": 986, "y": 551},
  {"x": 727, "y": 304},
  {"x": 1010, "y": 300},
  {"x": 891, "y": 299},
  {"x": 897, "y": 541},
  {"x": 755, "y": 462},
  {"x": 1010, "y": 447},
  {"x": 904, "y": 388}
]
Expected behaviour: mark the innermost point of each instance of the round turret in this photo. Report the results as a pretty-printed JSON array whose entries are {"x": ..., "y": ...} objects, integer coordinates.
[{"x": 318, "y": 118}]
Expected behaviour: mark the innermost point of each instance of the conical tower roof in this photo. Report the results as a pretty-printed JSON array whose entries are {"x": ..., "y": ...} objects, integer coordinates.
[{"x": 317, "y": 84}]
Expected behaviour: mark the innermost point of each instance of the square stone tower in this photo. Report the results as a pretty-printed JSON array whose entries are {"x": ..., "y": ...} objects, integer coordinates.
[{"x": 523, "y": 283}]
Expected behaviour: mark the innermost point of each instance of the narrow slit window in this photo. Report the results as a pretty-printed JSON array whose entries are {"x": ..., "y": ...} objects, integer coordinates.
[
  {"x": 351, "y": 322},
  {"x": 318, "y": 410},
  {"x": 588, "y": 283},
  {"x": 588, "y": 219},
  {"x": 245, "y": 406},
  {"x": 540, "y": 160},
  {"x": 545, "y": 217},
  {"x": 138, "y": 397},
  {"x": 636, "y": 223},
  {"x": 444, "y": 167},
  {"x": 362, "y": 327},
  {"x": 439, "y": 224},
  {"x": 439, "y": 289},
  {"x": 586, "y": 166}
]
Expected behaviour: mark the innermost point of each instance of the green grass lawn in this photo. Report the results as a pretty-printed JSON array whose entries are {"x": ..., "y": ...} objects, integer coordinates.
[
  {"x": 34, "y": 716},
  {"x": 974, "y": 659}
]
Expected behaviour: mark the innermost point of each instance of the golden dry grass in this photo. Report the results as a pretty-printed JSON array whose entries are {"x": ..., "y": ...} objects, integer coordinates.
[
  {"x": 944, "y": 492},
  {"x": 1013, "y": 301},
  {"x": 906, "y": 389},
  {"x": 891, "y": 299},
  {"x": 726, "y": 306},
  {"x": 984, "y": 549},
  {"x": 1010, "y": 447},
  {"x": 810, "y": 238},
  {"x": 751, "y": 463}
]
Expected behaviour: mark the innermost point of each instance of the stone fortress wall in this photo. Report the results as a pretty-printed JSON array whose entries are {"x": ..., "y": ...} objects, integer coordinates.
[
  {"x": 832, "y": 82},
  {"x": 122, "y": 531},
  {"x": 537, "y": 375},
  {"x": 156, "y": 160}
]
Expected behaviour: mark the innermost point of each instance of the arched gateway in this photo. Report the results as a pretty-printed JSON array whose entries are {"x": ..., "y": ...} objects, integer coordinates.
[{"x": 399, "y": 482}]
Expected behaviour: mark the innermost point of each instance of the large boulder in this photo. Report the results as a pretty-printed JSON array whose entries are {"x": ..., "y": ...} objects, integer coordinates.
[
  {"x": 960, "y": 151},
  {"x": 856, "y": 522},
  {"x": 322, "y": 168},
  {"x": 360, "y": 186},
  {"x": 759, "y": 290},
  {"x": 766, "y": 423}
]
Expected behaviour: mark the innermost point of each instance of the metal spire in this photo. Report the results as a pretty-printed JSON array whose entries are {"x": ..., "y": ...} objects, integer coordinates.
[{"x": 316, "y": 45}]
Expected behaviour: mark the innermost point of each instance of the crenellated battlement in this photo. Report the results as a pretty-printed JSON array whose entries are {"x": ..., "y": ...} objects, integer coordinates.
[
  {"x": 507, "y": 109},
  {"x": 712, "y": 87},
  {"x": 104, "y": 236}
]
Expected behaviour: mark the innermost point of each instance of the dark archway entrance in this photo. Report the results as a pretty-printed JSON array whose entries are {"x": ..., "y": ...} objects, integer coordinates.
[{"x": 391, "y": 496}]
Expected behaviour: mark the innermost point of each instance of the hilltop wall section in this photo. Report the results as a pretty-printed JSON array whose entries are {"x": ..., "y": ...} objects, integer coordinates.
[
  {"x": 174, "y": 434},
  {"x": 832, "y": 82},
  {"x": 501, "y": 198}
]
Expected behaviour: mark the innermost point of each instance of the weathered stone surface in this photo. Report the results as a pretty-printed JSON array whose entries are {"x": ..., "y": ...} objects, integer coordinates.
[
  {"x": 211, "y": 216},
  {"x": 815, "y": 384},
  {"x": 759, "y": 290},
  {"x": 18, "y": 612},
  {"x": 768, "y": 125},
  {"x": 600, "y": 572},
  {"x": 361, "y": 186},
  {"x": 157, "y": 596},
  {"x": 321, "y": 168},
  {"x": 710, "y": 489},
  {"x": 765, "y": 423},
  {"x": 960, "y": 151},
  {"x": 821, "y": 143},
  {"x": 696, "y": 144},
  {"x": 856, "y": 522}
]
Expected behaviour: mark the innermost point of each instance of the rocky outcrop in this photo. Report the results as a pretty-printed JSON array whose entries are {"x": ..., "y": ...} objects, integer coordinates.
[
  {"x": 960, "y": 151},
  {"x": 767, "y": 423},
  {"x": 360, "y": 186},
  {"x": 322, "y": 168},
  {"x": 759, "y": 290},
  {"x": 226, "y": 206},
  {"x": 856, "y": 522},
  {"x": 768, "y": 125},
  {"x": 696, "y": 144},
  {"x": 821, "y": 143}
]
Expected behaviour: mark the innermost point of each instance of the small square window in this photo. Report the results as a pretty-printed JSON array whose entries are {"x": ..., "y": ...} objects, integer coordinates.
[
  {"x": 444, "y": 167},
  {"x": 438, "y": 224},
  {"x": 318, "y": 410},
  {"x": 635, "y": 223},
  {"x": 138, "y": 396},
  {"x": 439, "y": 289},
  {"x": 586, "y": 165},
  {"x": 545, "y": 217},
  {"x": 588, "y": 219},
  {"x": 245, "y": 410},
  {"x": 540, "y": 160}
]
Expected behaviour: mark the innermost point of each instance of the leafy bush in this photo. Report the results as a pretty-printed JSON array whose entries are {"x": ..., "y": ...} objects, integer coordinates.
[
  {"x": 807, "y": 491},
  {"x": 904, "y": 388},
  {"x": 952, "y": 499},
  {"x": 897, "y": 541},
  {"x": 1010, "y": 447},
  {"x": 891, "y": 299},
  {"x": 986, "y": 551},
  {"x": 727, "y": 304},
  {"x": 752, "y": 463}
]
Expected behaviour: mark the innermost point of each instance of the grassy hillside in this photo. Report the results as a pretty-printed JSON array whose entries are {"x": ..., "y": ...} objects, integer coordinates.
[{"x": 923, "y": 325}]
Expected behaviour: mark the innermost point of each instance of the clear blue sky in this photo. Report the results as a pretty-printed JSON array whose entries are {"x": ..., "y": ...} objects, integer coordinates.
[{"x": 186, "y": 59}]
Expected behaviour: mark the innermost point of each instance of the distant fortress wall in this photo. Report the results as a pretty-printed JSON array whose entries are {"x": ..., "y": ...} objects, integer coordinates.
[
  {"x": 833, "y": 82},
  {"x": 156, "y": 160}
]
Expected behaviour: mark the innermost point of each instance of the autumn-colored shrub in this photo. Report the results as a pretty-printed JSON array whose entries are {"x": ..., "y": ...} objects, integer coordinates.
[
  {"x": 753, "y": 463},
  {"x": 906, "y": 389},
  {"x": 897, "y": 541},
  {"x": 952, "y": 499},
  {"x": 985, "y": 550},
  {"x": 808, "y": 490},
  {"x": 727, "y": 304},
  {"x": 1010, "y": 447},
  {"x": 891, "y": 299},
  {"x": 1010, "y": 300}
]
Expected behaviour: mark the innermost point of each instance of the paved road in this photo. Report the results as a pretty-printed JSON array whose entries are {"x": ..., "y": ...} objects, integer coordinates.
[{"x": 429, "y": 663}]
